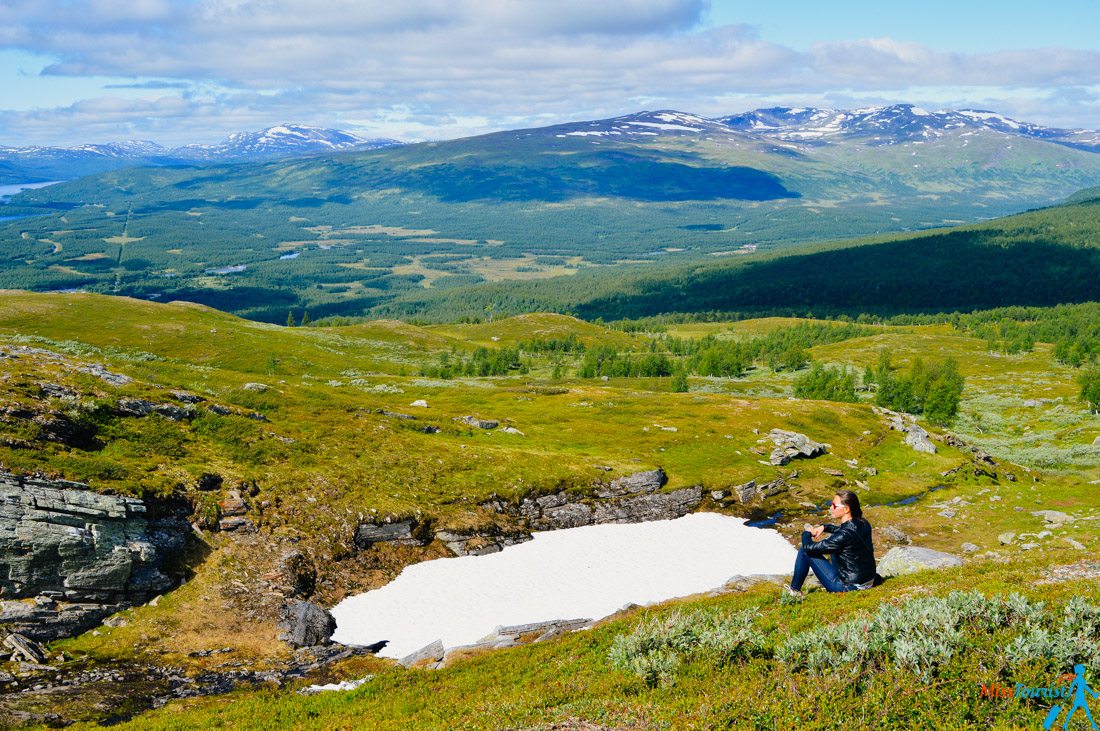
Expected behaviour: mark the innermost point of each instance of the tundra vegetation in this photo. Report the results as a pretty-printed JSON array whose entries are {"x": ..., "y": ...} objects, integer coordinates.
[{"x": 310, "y": 429}]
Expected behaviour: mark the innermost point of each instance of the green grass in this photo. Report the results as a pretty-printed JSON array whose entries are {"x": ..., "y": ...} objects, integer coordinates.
[
  {"x": 326, "y": 457},
  {"x": 572, "y": 679}
]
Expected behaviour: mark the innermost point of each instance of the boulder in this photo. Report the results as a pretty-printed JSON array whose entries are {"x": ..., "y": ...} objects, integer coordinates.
[
  {"x": 1007, "y": 538},
  {"x": 1054, "y": 517},
  {"x": 917, "y": 438},
  {"x": 305, "y": 624},
  {"x": 791, "y": 445},
  {"x": 420, "y": 403},
  {"x": 902, "y": 560}
]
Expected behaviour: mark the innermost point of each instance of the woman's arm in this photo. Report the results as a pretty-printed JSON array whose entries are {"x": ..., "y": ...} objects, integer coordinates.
[{"x": 832, "y": 544}]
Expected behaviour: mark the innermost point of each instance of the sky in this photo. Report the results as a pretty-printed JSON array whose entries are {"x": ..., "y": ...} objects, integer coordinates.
[{"x": 183, "y": 71}]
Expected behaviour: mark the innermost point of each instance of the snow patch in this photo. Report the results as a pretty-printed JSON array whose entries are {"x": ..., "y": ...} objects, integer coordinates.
[{"x": 580, "y": 572}]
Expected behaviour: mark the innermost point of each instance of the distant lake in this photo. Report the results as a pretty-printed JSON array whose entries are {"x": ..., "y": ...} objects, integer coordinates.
[
  {"x": 228, "y": 270},
  {"x": 7, "y": 191}
]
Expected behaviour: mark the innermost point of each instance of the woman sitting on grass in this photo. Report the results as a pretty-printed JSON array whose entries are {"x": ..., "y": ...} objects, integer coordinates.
[{"x": 853, "y": 564}]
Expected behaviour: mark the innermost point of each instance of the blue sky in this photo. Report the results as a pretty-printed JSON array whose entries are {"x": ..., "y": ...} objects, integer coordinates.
[{"x": 178, "y": 71}]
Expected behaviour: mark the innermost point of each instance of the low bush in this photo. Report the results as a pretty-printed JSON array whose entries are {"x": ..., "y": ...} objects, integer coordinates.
[{"x": 654, "y": 649}]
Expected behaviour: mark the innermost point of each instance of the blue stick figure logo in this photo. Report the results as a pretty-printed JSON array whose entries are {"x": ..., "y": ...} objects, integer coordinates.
[{"x": 1080, "y": 691}]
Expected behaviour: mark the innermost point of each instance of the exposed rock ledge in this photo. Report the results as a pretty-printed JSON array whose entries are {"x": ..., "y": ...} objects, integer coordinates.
[
  {"x": 633, "y": 498},
  {"x": 70, "y": 557}
]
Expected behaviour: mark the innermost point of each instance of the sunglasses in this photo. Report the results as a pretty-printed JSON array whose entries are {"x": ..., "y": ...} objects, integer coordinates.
[{"x": 834, "y": 506}]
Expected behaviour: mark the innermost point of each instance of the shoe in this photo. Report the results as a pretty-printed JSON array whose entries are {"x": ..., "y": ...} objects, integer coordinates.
[{"x": 793, "y": 592}]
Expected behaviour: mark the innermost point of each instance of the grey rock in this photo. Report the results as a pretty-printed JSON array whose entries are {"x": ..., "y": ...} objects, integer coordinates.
[
  {"x": 60, "y": 540},
  {"x": 219, "y": 410},
  {"x": 135, "y": 407},
  {"x": 895, "y": 534},
  {"x": 402, "y": 533},
  {"x": 396, "y": 415},
  {"x": 773, "y": 488},
  {"x": 236, "y": 524},
  {"x": 431, "y": 653},
  {"x": 259, "y": 387},
  {"x": 1054, "y": 517},
  {"x": 746, "y": 492},
  {"x": 572, "y": 515},
  {"x": 173, "y": 412},
  {"x": 792, "y": 445},
  {"x": 902, "y": 560},
  {"x": 917, "y": 438},
  {"x": 25, "y": 649},
  {"x": 1028, "y": 546},
  {"x": 305, "y": 624},
  {"x": 1007, "y": 538},
  {"x": 658, "y": 506},
  {"x": 633, "y": 484},
  {"x": 718, "y": 494},
  {"x": 187, "y": 398},
  {"x": 970, "y": 548},
  {"x": 478, "y": 423}
]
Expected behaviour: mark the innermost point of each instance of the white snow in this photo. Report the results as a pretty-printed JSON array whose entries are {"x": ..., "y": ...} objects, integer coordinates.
[
  {"x": 346, "y": 685},
  {"x": 586, "y": 572},
  {"x": 659, "y": 125}
]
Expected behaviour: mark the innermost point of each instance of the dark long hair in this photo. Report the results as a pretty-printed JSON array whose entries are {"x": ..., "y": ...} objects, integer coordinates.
[{"x": 849, "y": 498}]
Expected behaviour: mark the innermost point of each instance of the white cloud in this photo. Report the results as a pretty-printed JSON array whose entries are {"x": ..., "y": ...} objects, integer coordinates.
[{"x": 476, "y": 63}]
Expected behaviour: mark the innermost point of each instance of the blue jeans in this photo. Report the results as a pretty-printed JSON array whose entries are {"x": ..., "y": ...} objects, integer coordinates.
[{"x": 822, "y": 567}]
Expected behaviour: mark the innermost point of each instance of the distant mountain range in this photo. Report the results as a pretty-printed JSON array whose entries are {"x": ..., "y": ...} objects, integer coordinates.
[
  {"x": 33, "y": 164},
  {"x": 893, "y": 124},
  {"x": 339, "y": 231}
]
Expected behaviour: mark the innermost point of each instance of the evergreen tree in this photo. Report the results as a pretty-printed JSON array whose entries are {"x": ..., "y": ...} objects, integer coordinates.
[{"x": 290, "y": 319}]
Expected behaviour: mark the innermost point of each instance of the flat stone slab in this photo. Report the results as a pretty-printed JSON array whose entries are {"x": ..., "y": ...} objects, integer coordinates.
[{"x": 430, "y": 653}]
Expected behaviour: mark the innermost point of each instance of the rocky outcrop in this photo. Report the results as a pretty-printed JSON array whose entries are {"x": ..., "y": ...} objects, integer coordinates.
[
  {"x": 401, "y": 533},
  {"x": 80, "y": 555},
  {"x": 915, "y": 435},
  {"x": 480, "y": 543},
  {"x": 305, "y": 624}
]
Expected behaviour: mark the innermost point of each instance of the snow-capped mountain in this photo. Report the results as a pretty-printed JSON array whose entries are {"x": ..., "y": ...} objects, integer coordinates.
[
  {"x": 892, "y": 124},
  {"x": 642, "y": 124},
  {"x": 28, "y": 164},
  {"x": 282, "y": 141}
]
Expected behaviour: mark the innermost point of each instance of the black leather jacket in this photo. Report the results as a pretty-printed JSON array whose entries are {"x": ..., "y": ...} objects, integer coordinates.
[{"x": 852, "y": 550}]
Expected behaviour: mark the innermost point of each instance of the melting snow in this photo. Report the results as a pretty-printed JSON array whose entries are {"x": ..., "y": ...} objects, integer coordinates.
[{"x": 580, "y": 572}]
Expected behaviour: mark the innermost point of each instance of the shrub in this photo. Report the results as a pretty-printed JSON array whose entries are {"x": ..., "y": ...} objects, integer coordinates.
[{"x": 654, "y": 649}]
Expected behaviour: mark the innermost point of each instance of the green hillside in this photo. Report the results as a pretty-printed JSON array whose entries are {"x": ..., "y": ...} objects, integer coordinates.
[
  {"x": 341, "y": 234},
  {"x": 1042, "y": 257},
  {"x": 308, "y": 424}
]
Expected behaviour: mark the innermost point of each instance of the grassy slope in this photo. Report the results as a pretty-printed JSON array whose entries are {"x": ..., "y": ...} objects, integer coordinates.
[
  {"x": 570, "y": 680},
  {"x": 347, "y": 460}
]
